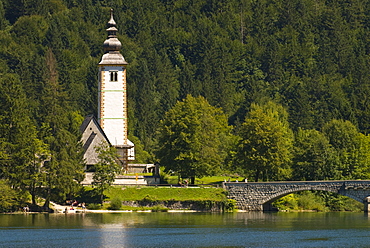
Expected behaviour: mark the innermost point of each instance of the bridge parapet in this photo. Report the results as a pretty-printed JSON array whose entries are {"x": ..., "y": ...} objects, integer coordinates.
[{"x": 258, "y": 196}]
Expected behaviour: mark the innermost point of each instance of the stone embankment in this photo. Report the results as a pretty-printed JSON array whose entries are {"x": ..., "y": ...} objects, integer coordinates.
[{"x": 205, "y": 206}]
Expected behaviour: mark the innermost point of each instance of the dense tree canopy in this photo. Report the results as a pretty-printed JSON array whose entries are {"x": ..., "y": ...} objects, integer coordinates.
[{"x": 311, "y": 57}]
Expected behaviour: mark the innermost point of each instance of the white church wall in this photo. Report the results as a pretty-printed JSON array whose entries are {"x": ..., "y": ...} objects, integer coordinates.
[
  {"x": 131, "y": 151},
  {"x": 113, "y": 112}
]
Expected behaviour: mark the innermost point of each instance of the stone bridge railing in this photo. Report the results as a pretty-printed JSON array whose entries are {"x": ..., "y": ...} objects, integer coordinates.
[{"x": 259, "y": 196}]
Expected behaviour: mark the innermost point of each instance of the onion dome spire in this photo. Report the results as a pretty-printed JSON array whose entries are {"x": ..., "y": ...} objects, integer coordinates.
[{"x": 112, "y": 45}]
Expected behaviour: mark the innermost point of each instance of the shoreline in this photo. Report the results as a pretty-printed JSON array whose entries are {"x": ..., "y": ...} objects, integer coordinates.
[
  {"x": 167, "y": 211},
  {"x": 108, "y": 211},
  {"x": 80, "y": 211}
]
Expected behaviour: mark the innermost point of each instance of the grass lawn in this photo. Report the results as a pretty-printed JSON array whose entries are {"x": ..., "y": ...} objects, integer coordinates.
[
  {"x": 207, "y": 180},
  {"x": 165, "y": 193}
]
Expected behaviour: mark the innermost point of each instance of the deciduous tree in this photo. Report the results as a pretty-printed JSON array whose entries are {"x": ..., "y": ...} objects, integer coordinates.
[
  {"x": 314, "y": 157},
  {"x": 106, "y": 169},
  {"x": 265, "y": 146},
  {"x": 351, "y": 147},
  {"x": 193, "y": 139}
]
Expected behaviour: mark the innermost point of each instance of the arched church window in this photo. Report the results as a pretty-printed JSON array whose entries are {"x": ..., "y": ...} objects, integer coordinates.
[{"x": 113, "y": 76}]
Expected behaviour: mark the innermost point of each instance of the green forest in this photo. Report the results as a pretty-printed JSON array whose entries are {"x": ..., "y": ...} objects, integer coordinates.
[{"x": 267, "y": 89}]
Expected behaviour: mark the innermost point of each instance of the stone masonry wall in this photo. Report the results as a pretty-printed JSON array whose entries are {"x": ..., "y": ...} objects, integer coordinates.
[{"x": 252, "y": 196}]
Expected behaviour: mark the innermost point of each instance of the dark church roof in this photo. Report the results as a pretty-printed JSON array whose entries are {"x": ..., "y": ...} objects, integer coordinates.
[{"x": 85, "y": 124}]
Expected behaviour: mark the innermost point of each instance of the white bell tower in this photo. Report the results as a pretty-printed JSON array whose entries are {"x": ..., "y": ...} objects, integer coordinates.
[{"x": 112, "y": 98}]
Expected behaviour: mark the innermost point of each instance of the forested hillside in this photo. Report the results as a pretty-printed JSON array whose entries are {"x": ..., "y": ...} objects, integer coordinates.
[{"x": 307, "y": 60}]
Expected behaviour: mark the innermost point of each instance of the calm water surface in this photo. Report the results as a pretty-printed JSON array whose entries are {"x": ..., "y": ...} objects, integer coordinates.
[{"x": 185, "y": 230}]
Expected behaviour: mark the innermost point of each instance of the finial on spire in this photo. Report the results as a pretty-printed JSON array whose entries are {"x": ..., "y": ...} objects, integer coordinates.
[{"x": 111, "y": 22}]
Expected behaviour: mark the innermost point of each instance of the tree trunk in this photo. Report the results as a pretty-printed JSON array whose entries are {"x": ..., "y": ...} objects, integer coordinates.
[
  {"x": 256, "y": 175},
  {"x": 33, "y": 193},
  {"x": 192, "y": 180},
  {"x": 47, "y": 200},
  {"x": 46, "y": 204},
  {"x": 33, "y": 197}
]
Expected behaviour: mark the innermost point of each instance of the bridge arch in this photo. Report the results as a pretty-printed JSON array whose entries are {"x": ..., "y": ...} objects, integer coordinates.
[
  {"x": 267, "y": 204},
  {"x": 259, "y": 196}
]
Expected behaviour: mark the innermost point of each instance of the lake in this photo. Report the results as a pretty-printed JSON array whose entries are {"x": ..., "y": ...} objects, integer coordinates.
[{"x": 185, "y": 230}]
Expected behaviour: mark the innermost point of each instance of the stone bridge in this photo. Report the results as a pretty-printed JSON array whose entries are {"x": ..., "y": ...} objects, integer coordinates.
[{"x": 258, "y": 196}]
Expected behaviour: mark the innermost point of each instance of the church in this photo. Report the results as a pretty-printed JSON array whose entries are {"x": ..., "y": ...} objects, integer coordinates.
[{"x": 111, "y": 124}]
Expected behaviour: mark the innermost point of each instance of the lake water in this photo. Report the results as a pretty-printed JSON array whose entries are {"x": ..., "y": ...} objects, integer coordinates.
[{"x": 185, "y": 230}]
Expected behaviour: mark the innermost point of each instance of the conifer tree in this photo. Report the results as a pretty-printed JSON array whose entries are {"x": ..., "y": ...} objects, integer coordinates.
[
  {"x": 60, "y": 131},
  {"x": 23, "y": 153}
]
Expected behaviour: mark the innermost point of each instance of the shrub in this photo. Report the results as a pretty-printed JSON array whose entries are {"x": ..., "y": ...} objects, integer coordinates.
[
  {"x": 229, "y": 205},
  {"x": 8, "y": 197},
  {"x": 164, "y": 177},
  {"x": 159, "y": 208},
  {"x": 343, "y": 203},
  {"x": 148, "y": 200},
  {"x": 308, "y": 200},
  {"x": 115, "y": 204},
  {"x": 94, "y": 206},
  {"x": 288, "y": 202}
]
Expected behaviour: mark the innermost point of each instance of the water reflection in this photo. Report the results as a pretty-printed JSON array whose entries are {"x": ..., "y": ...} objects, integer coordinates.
[
  {"x": 149, "y": 220},
  {"x": 185, "y": 230}
]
